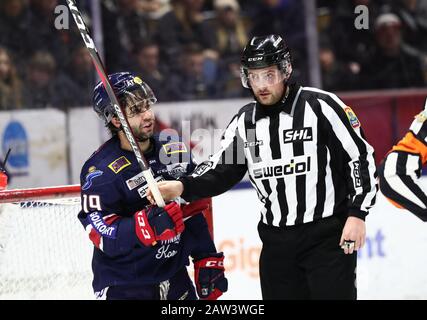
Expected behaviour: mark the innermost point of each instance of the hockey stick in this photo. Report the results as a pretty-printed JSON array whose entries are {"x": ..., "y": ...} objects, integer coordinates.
[{"x": 90, "y": 45}]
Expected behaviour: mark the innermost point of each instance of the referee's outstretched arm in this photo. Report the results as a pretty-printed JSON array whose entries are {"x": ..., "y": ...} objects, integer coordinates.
[{"x": 223, "y": 170}]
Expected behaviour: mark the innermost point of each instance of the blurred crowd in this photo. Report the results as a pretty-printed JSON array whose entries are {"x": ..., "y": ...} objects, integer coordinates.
[
  {"x": 391, "y": 53},
  {"x": 190, "y": 49}
]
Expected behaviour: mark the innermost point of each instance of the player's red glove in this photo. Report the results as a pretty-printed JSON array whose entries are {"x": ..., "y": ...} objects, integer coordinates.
[
  {"x": 155, "y": 223},
  {"x": 209, "y": 276}
]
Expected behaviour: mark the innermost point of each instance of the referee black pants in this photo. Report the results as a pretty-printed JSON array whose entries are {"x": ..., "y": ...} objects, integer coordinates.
[{"x": 306, "y": 262}]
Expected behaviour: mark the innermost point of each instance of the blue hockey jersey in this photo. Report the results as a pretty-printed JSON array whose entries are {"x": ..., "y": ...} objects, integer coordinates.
[{"x": 113, "y": 189}]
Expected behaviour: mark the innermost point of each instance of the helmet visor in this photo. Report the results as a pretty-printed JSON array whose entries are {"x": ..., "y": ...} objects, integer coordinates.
[
  {"x": 137, "y": 100},
  {"x": 259, "y": 78}
]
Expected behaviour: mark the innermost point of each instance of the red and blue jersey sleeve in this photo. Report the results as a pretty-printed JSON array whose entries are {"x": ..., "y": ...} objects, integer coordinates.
[{"x": 109, "y": 229}]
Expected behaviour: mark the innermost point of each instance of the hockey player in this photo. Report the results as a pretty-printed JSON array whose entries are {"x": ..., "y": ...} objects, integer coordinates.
[
  {"x": 141, "y": 251},
  {"x": 314, "y": 172},
  {"x": 400, "y": 171}
]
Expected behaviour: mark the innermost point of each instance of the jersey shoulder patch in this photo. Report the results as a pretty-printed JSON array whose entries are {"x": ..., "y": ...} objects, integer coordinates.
[
  {"x": 92, "y": 174},
  {"x": 352, "y": 118},
  {"x": 174, "y": 147},
  {"x": 119, "y": 164}
]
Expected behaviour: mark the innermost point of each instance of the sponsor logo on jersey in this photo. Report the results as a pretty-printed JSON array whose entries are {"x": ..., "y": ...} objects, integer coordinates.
[
  {"x": 293, "y": 135},
  {"x": 296, "y": 166},
  {"x": 202, "y": 168},
  {"x": 177, "y": 170},
  {"x": 165, "y": 251},
  {"x": 356, "y": 174},
  {"x": 135, "y": 181},
  {"x": 119, "y": 164},
  {"x": 174, "y": 147},
  {"x": 253, "y": 143},
  {"x": 93, "y": 173},
  {"x": 99, "y": 225},
  {"x": 143, "y": 190},
  {"x": 352, "y": 117}
]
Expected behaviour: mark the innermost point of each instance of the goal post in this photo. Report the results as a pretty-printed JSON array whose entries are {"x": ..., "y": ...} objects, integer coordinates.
[
  {"x": 35, "y": 194},
  {"x": 45, "y": 252}
]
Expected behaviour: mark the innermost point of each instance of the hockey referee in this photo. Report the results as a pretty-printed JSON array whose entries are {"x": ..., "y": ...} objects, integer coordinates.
[
  {"x": 401, "y": 169},
  {"x": 313, "y": 170}
]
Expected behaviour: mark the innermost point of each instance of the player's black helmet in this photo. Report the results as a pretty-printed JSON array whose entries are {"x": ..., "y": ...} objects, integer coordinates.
[
  {"x": 125, "y": 85},
  {"x": 265, "y": 51}
]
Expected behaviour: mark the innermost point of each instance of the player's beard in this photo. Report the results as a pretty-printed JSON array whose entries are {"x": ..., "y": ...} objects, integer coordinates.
[
  {"x": 269, "y": 96},
  {"x": 140, "y": 135},
  {"x": 143, "y": 137}
]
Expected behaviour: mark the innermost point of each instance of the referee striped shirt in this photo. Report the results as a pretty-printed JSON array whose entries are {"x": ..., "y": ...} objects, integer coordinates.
[
  {"x": 306, "y": 157},
  {"x": 402, "y": 166}
]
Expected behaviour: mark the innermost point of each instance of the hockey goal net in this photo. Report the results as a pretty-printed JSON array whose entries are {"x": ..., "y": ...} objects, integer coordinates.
[{"x": 44, "y": 250}]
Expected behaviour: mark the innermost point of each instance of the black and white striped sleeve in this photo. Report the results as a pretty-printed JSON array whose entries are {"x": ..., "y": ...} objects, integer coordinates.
[
  {"x": 223, "y": 170},
  {"x": 400, "y": 171},
  {"x": 354, "y": 156}
]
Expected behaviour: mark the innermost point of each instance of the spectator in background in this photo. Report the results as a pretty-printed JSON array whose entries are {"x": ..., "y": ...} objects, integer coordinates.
[
  {"x": 283, "y": 17},
  {"x": 124, "y": 25},
  {"x": 45, "y": 87},
  {"x": 183, "y": 25},
  {"x": 82, "y": 74},
  {"x": 413, "y": 15},
  {"x": 10, "y": 84},
  {"x": 44, "y": 36},
  {"x": 155, "y": 9},
  {"x": 248, "y": 6},
  {"x": 286, "y": 16},
  {"x": 336, "y": 75},
  {"x": 231, "y": 32},
  {"x": 190, "y": 82},
  {"x": 355, "y": 45},
  {"x": 231, "y": 36},
  {"x": 391, "y": 66},
  {"x": 14, "y": 16},
  {"x": 147, "y": 65}
]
